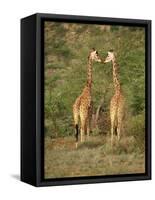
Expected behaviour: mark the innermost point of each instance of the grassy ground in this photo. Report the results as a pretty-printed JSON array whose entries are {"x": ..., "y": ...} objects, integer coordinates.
[{"x": 94, "y": 157}]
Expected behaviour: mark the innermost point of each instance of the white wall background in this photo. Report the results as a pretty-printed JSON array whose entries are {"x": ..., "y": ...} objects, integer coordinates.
[{"x": 10, "y": 14}]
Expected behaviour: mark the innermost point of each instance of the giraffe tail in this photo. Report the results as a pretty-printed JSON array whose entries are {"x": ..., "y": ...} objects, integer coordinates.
[{"x": 76, "y": 134}]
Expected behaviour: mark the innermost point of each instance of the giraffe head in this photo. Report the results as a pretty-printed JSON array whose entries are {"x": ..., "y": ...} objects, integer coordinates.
[
  {"x": 94, "y": 56},
  {"x": 110, "y": 57}
]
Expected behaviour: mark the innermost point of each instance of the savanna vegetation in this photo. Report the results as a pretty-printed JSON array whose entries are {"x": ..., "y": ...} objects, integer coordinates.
[{"x": 67, "y": 46}]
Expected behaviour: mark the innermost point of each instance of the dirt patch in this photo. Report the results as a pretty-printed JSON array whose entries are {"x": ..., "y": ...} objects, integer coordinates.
[{"x": 92, "y": 158}]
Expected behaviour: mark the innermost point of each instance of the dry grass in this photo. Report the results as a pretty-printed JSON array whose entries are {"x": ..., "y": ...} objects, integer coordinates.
[{"x": 92, "y": 158}]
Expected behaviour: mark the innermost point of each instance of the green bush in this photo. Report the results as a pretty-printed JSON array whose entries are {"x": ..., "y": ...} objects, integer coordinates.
[
  {"x": 136, "y": 128},
  {"x": 66, "y": 54}
]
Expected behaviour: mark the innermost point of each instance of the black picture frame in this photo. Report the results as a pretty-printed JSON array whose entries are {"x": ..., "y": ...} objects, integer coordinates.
[{"x": 32, "y": 99}]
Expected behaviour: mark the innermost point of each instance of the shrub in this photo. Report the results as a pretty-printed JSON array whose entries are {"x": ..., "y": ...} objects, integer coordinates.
[{"x": 136, "y": 128}]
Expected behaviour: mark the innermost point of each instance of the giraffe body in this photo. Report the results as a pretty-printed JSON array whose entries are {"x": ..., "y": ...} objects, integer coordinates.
[
  {"x": 83, "y": 104},
  {"x": 117, "y": 101},
  {"x": 81, "y": 111}
]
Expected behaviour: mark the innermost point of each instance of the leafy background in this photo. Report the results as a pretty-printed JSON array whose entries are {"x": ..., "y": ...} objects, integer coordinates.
[{"x": 67, "y": 46}]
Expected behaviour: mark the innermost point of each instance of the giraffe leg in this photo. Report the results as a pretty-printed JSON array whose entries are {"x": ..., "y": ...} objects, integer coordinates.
[
  {"x": 118, "y": 131},
  {"x": 76, "y": 119},
  {"x": 112, "y": 133},
  {"x": 83, "y": 130},
  {"x": 112, "y": 117},
  {"x": 113, "y": 112},
  {"x": 89, "y": 122},
  {"x": 120, "y": 114},
  {"x": 83, "y": 127},
  {"x": 88, "y": 128},
  {"x": 119, "y": 126}
]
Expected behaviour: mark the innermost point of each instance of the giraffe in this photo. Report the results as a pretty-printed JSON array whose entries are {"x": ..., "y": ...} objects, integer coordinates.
[
  {"x": 83, "y": 104},
  {"x": 117, "y": 101}
]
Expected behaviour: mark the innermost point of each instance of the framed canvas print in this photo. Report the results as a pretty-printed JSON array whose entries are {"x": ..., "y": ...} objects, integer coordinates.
[{"x": 85, "y": 99}]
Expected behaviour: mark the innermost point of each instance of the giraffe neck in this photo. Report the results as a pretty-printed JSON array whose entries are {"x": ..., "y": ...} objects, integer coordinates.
[
  {"x": 116, "y": 82},
  {"x": 89, "y": 74}
]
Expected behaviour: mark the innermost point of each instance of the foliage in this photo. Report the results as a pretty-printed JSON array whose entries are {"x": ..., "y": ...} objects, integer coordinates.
[
  {"x": 66, "y": 51},
  {"x": 136, "y": 128}
]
